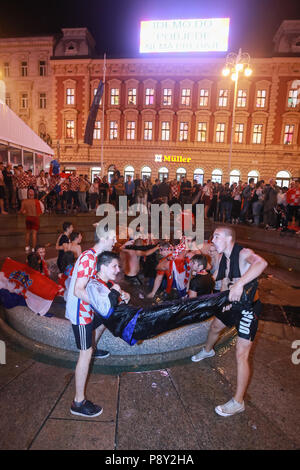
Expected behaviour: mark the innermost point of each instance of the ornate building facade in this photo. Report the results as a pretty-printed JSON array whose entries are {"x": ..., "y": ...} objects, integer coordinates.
[{"x": 166, "y": 116}]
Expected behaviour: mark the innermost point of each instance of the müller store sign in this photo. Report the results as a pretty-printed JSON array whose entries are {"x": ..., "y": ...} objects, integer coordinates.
[{"x": 172, "y": 158}]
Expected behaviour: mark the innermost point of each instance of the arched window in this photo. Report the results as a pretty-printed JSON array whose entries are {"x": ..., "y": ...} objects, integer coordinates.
[
  {"x": 95, "y": 171},
  {"x": 146, "y": 172},
  {"x": 216, "y": 176},
  {"x": 235, "y": 176},
  {"x": 180, "y": 173},
  {"x": 163, "y": 172},
  {"x": 253, "y": 174},
  {"x": 128, "y": 171},
  {"x": 283, "y": 178},
  {"x": 199, "y": 175}
]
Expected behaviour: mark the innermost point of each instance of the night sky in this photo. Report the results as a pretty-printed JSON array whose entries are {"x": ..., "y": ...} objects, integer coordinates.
[{"x": 115, "y": 23}]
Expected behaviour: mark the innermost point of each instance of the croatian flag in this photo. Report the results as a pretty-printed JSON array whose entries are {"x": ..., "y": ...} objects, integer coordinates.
[
  {"x": 89, "y": 130},
  {"x": 22, "y": 285}
]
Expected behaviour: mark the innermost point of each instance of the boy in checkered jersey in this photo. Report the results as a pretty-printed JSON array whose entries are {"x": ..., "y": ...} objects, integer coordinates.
[{"x": 81, "y": 315}]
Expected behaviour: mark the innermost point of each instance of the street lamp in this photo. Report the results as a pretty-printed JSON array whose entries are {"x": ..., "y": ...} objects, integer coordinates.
[{"x": 235, "y": 64}]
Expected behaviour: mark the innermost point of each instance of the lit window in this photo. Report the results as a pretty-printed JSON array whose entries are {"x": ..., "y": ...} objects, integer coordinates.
[
  {"x": 70, "y": 96},
  {"x": 130, "y": 130},
  {"x": 165, "y": 130},
  {"x": 186, "y": 96},
  {"x": 113, "y": 130},
  {"x": 257, "y": 134},
  {"x": 148, "y": 127},
  {"x": 24, "y": 100},
  {"x": 261, "y": 98},
  {"x": 70, "y": 129},
  {"x": 293, "y": 98},
  {"x": 149, "y": 96},
  {"x": 220, "y": 132},
  {"x": 223, "y": 98},
  {"x": 114, "y": 96},
  {"x": 95, "y": 92},
  {"x": 24, "y": 69},
  {"x": 216, "y": 176},
  {"x": 239, "y": 133},
  {"x": 132, "y": 96},
  {"x": 42, "y": 101},
  {"x": 288, "y": 134},
  {"x": 42, "y": 68},
  {"x": 97, "y": 130},
  {"x": 203, "y": 98},
  {"x": 241, "y": 98},
  {"x": 167, "y": 97},
  {"x": 202, "y": 129},
  {"x": 183, "y": 131}
]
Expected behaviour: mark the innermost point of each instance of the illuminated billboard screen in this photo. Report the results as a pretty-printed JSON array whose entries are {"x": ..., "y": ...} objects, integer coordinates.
[{"x": 196, "y": 35}]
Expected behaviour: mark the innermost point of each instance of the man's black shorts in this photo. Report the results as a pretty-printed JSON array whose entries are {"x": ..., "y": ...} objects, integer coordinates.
[
  {"x": 84, "y": 333},
  {"x": 245, "y": 321}
]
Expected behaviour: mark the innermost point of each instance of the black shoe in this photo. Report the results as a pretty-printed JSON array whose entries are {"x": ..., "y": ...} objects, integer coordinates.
[
  {"x": 100, "y": 353},
  {"x": 87, "y": 409}
]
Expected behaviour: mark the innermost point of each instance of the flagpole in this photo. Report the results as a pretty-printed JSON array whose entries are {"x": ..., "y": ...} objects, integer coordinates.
[{"x": 102, "y": 126}]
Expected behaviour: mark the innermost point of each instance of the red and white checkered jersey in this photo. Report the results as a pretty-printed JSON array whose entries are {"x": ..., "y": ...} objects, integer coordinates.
[{"x": 78, "y": 311}]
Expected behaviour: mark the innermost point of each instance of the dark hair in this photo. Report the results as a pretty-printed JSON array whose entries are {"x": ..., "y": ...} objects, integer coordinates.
[
  {"x": 33, "y": 261},
  {"x": 200, "y": 259},
  {"x": 66, "y": 225},
  {"x": 74, "y": 235},
  {"x": 106, "y": 257},
  {"x": 67, "y": 258}
]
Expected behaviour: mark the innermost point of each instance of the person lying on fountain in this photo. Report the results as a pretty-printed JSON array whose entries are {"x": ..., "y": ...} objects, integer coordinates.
[{"x": 132, "y": 323}]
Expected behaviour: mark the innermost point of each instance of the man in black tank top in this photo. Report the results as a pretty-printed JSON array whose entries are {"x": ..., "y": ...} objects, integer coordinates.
[{"x": 238, "y": 266}]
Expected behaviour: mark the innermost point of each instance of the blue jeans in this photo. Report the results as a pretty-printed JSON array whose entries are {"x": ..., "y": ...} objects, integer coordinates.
[{"x": 256, "y": 210}]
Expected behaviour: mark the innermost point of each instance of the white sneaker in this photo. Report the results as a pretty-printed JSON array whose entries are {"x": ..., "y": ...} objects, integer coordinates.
[
  {"x": 230, "y": 408},
  {"x": 202, "y": 354}
]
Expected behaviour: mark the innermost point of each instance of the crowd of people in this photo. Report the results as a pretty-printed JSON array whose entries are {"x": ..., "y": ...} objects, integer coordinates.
[{"x": 262, "y": 203}]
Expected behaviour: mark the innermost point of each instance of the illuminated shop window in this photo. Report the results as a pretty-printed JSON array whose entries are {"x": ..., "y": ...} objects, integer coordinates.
[
  {"x": 216, "y": 176},
  {"x": 253, "y": 174},
  {"x": 180, "y": 173},
  {"x": 235, "y": 176},
  {"x": 199, "y": 175},
  {"x": 283, "y": 179},
  {"x": 163, "y": 172}
]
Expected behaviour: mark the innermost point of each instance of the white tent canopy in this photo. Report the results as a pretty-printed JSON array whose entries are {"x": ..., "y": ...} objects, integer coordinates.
[{"x": 14, "y": 132}]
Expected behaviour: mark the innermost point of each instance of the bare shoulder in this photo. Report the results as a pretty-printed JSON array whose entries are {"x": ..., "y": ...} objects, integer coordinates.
[{"x": 249, "y": 256}]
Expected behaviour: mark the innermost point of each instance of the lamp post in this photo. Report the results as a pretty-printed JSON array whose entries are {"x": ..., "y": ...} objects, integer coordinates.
[{"x": 235, "y": 64}]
